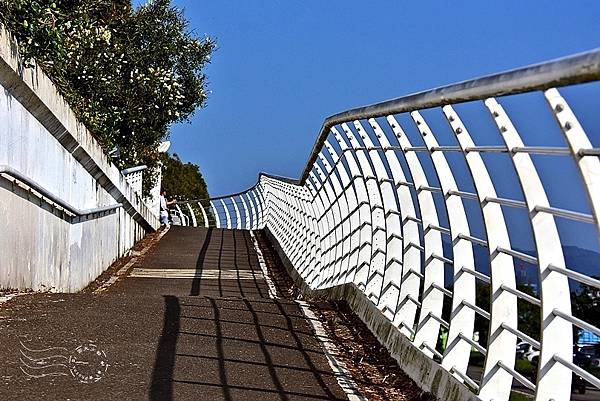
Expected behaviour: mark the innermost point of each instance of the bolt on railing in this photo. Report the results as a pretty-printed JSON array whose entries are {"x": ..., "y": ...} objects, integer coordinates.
[{"x": 395, "y": 217}]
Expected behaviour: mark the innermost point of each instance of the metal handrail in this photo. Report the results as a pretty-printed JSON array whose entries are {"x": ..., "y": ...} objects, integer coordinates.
[
  {"x": 575, "y": 69},
  {"x": 4, "y": 169},
  {"x": 261, "y": 174}
]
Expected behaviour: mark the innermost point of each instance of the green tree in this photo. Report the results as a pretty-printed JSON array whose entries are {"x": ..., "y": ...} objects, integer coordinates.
[
  {"x": 128, "y": 74},
  {"x": 182, "y": 181},
  {"x": 529, "y": 314},
  {"x": 585, "y": 304}
]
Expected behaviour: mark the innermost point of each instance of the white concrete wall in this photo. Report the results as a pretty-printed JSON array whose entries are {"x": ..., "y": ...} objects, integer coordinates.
[{"x": 40, "y": 137}]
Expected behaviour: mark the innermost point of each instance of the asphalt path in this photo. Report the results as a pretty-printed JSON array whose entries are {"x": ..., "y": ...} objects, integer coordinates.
[{"x": 193, "y": 320}]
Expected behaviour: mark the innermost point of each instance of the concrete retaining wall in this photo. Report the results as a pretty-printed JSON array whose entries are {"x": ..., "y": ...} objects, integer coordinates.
[
  {"x": 41, "y": 248},
  {"x": 428, "y": 374}
]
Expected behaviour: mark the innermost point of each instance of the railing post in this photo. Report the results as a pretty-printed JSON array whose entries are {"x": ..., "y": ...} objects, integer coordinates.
[
  {"x": 427, "y": 332},
  {"x": 364, "y": 209},
  {"x": 192, "y": 214},
  {"x": 496, "y": 383},
  {"x": 246, "y": 212},
  {"x": 217, "y": 216},
  {"x": 580, "y": 146},
  {"x": 409, "y": 281},
  {"x": 351, "y": 220},
  {"x": 462, "y": 319},
  {"x": 204, "y": 216},
  {"x": 554, "y": 379},
  {"x": 392, "y": 246},
  {"x": 325, "y": 226}
]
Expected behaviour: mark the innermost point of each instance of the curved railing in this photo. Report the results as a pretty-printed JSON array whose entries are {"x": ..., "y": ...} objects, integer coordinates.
[{"x": 430, "y": 222}]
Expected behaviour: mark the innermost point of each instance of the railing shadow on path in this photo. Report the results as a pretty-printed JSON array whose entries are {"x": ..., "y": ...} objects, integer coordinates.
[{"x": 230, "y": 349}]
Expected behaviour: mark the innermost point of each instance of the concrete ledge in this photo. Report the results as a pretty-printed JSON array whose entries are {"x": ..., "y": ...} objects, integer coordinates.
[{"x": 427, "y": 373}]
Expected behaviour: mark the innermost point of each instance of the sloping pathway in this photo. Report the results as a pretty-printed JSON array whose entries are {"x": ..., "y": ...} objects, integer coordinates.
[{"x": 193, "y": 320}]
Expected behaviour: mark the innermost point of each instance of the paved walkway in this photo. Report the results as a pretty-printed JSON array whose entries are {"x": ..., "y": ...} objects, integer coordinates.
[{"x": 193, "y": 321}]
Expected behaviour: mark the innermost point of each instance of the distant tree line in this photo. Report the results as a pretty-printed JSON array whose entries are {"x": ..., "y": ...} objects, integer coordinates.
[
  {"x": 127, "y": 73},
  {"x": 182, "y": 180}
]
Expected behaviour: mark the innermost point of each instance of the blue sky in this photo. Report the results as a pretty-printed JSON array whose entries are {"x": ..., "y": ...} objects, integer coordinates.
[{"x": 282, "y": 67}]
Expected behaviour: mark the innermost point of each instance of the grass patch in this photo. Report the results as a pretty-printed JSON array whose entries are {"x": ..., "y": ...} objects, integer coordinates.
[
  {"x": 514, "y": 396},
  {"x": 524, "y": 367},
  {"x": 476, "y": 359}
]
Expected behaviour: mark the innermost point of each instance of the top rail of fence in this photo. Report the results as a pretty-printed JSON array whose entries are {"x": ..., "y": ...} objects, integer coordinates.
[{"x": 575, "y": 69}]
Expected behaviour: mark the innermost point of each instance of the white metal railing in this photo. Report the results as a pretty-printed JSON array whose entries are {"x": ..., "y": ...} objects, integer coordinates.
[{"x": 374, "y": 207}]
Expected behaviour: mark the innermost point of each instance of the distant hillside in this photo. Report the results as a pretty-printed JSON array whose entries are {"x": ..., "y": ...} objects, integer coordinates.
[{"x": 578, "y": 259}]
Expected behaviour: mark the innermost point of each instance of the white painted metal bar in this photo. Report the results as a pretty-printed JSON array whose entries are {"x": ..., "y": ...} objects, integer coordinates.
[
  {"x": 522, "y": 336},
  {"x": 204, "y": 216},
  {"x": 496, "y": 384},
  {"x": 182, "y": 216},
  {"x": 519, "y": 377},
  {"x": 333, "y": 210},
  {"x": 434, "y": 268},
  {"x": 465, "y": 378},
  {"x": 477, "y": 274},
  {"x": 255, "y": 210},
  {"x": 314, "y": 278},
  {"x": 377, "y": 264},
  {"x": 351, "y": 236},
  {"x": 227, "y": 215},
  {"x": 593, "y": 380},
  {"x": 577, "y": 322},
  {"x": 365, "y": 234},
  {"x": 554, "y": 288},
  {"x": 395, "y": 270},
  {"x": 258, "y": 201},
  {"x": 526, "y": 297},
  {"x": 336, "y": 192},
  {"x": 324, "y": 224},
  {"x": 463, "y": 319},
  {"x": 567, "y": 214},
  {"x": 216, "y": 214},
  {"x": 474, "y": 240},
  {"x": 411, "y": 257},
  {"x": 192, "y": 214},
  {"x": 236, "y": 209},
  {"x": 582, "y": 278},
  {"x": 246, "y": 211}
]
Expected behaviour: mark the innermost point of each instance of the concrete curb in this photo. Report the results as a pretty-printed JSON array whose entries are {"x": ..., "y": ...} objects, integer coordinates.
[{"x": 428, "y": 374}]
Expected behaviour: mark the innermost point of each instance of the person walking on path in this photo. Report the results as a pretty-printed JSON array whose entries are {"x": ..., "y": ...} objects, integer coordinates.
[{"x": 164, "y": 207}]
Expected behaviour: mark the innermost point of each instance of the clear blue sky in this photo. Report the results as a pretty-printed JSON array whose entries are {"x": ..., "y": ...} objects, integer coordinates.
[{"x": 283, "y": 66}]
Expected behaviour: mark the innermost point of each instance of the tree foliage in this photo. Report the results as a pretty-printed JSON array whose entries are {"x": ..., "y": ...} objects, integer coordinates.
[
  {"x": 182, "y": 180},
  {"x": 585, "y": 303},
  {"x": 128, "y": 74}
]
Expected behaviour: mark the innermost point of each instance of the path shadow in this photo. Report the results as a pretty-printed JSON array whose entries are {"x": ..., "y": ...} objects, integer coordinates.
[
  {"x": 161, "y": 387},
  {"x": 195, "y": 290}
]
